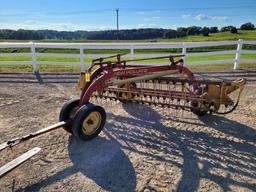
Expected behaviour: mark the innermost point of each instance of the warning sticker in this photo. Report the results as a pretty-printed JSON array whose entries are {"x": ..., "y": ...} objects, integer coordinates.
[{"x": 87, "y": 77}]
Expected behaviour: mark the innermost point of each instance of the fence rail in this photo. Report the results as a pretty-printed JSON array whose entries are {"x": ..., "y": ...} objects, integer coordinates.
[{"x": 128, "y": 46}]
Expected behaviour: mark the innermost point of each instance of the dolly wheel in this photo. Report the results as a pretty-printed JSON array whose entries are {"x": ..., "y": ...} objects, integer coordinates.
[
  {"x": 68, "y": 112},
  {"x": 88, "y": 121}
]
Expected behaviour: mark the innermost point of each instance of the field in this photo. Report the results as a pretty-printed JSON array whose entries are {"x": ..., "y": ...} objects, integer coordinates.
[
  {"x": 27, "y": 67},
  {"x": 141, "y": 148},
  {"x": 221, "y": 36}
]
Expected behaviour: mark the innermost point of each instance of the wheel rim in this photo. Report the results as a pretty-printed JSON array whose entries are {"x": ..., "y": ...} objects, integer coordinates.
[{"x": 92, "y": 123}]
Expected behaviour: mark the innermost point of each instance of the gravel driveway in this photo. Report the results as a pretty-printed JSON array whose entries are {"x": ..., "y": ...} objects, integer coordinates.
[{"x": 140, "y": 149}]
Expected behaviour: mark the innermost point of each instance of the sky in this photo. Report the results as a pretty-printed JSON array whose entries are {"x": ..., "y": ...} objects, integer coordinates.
[{"x": 72, "y": 15}]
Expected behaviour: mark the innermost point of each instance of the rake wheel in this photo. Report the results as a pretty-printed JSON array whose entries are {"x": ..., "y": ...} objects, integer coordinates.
[
  {"x": 88, "y": 121},
  {"x": 68, "y": 111}
]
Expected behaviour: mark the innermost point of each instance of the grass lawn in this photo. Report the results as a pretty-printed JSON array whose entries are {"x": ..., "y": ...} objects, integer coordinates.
[
  {"x": 28, "y": 67},
  {"x": 188, "y": 58},
  {"x": 221, "y": 36},
  {"x": 60, "y": 68}
]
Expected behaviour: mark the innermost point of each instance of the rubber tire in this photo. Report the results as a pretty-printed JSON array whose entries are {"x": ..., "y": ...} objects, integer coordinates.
[
  {"x": 81, "y": 114},
  {"x": 65, "y": 112},
  {"x": 198, "y": 91}
]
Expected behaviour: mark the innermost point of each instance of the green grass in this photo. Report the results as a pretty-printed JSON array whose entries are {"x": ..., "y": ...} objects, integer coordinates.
[
  {"x": 188, "y": 59},
  {"x": 221, "y": 67},
  {"x": 221, "y": 36},
  {"x": 60, "y": 68},
  {"x": 219, "y": 57},
  {"x": 28, "y": 67},
  {"x": 42, "y": 68}
]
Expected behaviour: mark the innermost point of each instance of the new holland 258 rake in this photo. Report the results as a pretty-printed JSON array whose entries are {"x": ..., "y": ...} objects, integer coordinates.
[{"x": 169, "y": 86}]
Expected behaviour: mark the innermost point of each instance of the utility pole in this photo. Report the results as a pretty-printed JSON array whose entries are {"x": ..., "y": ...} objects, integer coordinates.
[{"x": 117, "y": 23}]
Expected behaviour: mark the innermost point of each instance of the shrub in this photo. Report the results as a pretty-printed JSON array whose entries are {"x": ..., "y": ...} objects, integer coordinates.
[
  {"x": 205, "y": 31},
  {"x": 247, "y": 26},
  {"x": 233, "y": 30},
  {"x": 214, "y": 30},
  {"x": 226, "y": 28}
]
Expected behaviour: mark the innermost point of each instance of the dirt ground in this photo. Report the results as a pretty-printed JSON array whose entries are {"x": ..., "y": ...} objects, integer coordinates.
[{"x": 140, "y": 149}]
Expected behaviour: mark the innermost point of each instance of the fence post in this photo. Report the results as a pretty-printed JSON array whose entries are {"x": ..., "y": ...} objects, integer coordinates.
[
  {"x": 238, "y": 54},
  {"x": 82, "y": 64},
  {"x": 132, "y": 53},
  {"x": 184, "y": 53},
  {"x": 33, "y": 52}
]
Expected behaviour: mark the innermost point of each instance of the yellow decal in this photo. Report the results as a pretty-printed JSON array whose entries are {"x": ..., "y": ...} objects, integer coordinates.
[{"x": 87, "y": 77}]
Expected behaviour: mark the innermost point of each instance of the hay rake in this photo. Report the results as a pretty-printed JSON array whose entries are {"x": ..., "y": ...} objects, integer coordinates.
[{"x": 111, "y": 78}]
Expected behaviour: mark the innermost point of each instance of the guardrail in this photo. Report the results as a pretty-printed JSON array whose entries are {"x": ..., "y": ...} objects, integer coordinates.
[{"x": 131, "y": 46}]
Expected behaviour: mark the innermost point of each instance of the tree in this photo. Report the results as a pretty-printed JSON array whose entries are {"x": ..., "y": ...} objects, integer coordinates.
[
  {"x": 247, "y": 26},
  {"x": 193, "y": 30},
  {"x": 205, "y": 31},
  {"x": 233, "y": 30},
  {"x": 170, "y": 34},
  {"x": 226, "y": 28},
  {"x": 214, "y": 30},
  {"x": 181, "y": 32},
  {"x": 127, "y": 34}
]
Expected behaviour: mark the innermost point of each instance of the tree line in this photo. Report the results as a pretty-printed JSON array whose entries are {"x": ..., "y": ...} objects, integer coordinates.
[{"x": 127, "y": 34}]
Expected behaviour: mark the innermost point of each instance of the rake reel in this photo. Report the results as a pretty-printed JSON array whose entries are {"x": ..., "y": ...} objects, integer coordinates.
[{"x": 168, "y": 86}]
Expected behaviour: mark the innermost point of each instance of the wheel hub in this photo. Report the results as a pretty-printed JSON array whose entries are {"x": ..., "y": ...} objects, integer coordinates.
[{"x": 92, "y": 123}]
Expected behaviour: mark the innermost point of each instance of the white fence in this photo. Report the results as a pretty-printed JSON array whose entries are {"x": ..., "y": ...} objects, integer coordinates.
[{"x": 131, "y": 46}]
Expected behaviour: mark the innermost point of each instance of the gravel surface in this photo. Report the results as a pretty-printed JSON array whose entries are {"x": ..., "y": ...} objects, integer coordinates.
[{"x": 141, "y": 148}]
